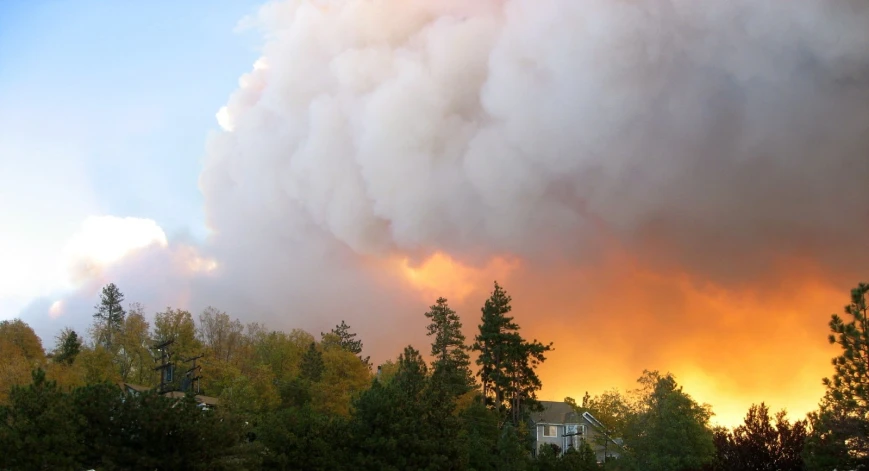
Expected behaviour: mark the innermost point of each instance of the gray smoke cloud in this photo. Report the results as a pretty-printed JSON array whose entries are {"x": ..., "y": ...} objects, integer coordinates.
[{"x": 719, "y": 137}]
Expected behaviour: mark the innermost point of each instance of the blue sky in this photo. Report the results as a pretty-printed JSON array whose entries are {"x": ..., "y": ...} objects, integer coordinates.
[{"x": 104, "y": 110}]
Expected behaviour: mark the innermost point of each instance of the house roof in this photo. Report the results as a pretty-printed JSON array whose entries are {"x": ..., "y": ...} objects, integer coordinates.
[
  {"x": 555, "y": 413},
  {"x": 136, "y": 387},
  {"x": 207, "y": 400}
]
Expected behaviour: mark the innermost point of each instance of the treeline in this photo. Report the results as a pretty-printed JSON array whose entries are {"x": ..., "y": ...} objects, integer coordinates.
[{"x": 295, "y": 401}]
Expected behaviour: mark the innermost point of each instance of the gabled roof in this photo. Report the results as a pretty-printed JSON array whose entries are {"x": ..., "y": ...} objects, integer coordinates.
[{"x": 555, "y": 413}]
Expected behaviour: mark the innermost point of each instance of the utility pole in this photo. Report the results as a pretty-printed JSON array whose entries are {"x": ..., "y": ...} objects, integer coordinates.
[
  {"x": 166, "y": 367},
  {"x": 191, "y": 374}
]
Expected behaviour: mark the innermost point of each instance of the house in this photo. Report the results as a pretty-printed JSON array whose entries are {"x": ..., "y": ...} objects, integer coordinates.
[{"x": 561, "y": 425}]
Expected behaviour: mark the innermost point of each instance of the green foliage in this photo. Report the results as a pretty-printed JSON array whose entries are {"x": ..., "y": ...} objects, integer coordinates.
[
  {"x": 134, "y": 357},
  {"x": 290, "y": 403},
  {"x": 840, "y": 429},
  {"x": 36, "y": 430},
  {"x": 221, "y": 336},
  {"x": 550, "y": 458},
  {"x": 405, "y": 424},
  {"x": 312, "y": 364},
  {"x": 507, "y": 361},
  {"x": 96, "y": 426},
  {"x": 612, "y": 410},
  {"x": 68, "y": 347},
  {"x": 177, "y": 325},
  {"x": 109, "y": 316},
  {"x": 345, "y": 340},
  {"x": 451, "y": 365},
  {"x": 669, "y": 431},
  {"x": 760, "y": 443},
  {"x": 512, "y": 451},
  {"x": 480, "y": 426},
  {"x": 299, "y": 438},
  {"x": 827, "y": 446},
  {"x": 582, "y": 459}
]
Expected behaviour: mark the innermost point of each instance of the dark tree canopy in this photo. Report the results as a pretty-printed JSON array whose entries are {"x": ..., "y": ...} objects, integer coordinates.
[
  {"x": 761, "y": 443},
  {"x": 312, "y": 364},
  {"x": 669, "y": 430}
]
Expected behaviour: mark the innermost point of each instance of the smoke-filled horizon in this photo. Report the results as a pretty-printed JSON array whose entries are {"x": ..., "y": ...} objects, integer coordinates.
[{"x": 666, "y": 184}]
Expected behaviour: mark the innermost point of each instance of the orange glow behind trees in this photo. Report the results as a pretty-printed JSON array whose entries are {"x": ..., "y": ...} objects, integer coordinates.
[{"x": 730, "y": 348}]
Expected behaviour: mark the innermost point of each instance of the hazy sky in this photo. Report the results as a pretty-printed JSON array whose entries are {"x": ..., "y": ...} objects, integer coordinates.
[{"x": 104, "y": 109}]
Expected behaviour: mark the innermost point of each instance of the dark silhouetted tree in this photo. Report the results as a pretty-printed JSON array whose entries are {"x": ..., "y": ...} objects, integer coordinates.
[
  {"x": 507, "y": 361},
  {"x": 669, "y": 431},
  {"x": 761, "y": 443},
  {"x": 840, "y": 428},
  {"x": 451, "y": 364},
  {"x": 68, "y": 347},
  {"x": 109, "y": 316}
]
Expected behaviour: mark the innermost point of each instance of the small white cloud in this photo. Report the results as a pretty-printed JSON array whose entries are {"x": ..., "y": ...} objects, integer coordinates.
[
  {"x": 56, "y": 309},
  {"x": 104, "y": 240}
]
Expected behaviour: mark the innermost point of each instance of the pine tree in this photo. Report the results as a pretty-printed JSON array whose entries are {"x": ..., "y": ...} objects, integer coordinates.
[
  {"x": 840, "y": 435},
  {"x": 451, "y": 365},
  {"x": 110, "y": 315},
  {"x": 507, "y": 361},
  {"x": 346, "y": 340}
]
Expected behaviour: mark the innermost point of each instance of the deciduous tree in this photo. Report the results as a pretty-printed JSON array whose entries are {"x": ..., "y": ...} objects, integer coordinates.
[
  {"x": 134, "y": 357},
  {"x": 221, "y": 336},
  {"x": 669, "y": 431}
]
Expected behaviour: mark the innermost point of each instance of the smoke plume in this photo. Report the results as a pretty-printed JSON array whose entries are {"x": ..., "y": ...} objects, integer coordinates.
[{"x": 661, "y": 184}]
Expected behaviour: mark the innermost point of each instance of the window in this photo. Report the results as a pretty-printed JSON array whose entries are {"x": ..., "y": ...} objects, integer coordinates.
[{"x": 550, "y": 431}]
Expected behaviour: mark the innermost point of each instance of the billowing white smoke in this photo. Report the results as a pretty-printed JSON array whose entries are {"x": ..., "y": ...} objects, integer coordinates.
[{"x": 699, "y": 131}]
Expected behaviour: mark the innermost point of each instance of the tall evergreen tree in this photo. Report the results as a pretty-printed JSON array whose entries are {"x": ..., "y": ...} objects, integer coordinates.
[
  {"x": 507, "y": 361},
  {"x": 840, "y": 429},
  {"x": 451, "y": 365},
  {"x": 110, "y": 315}
]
